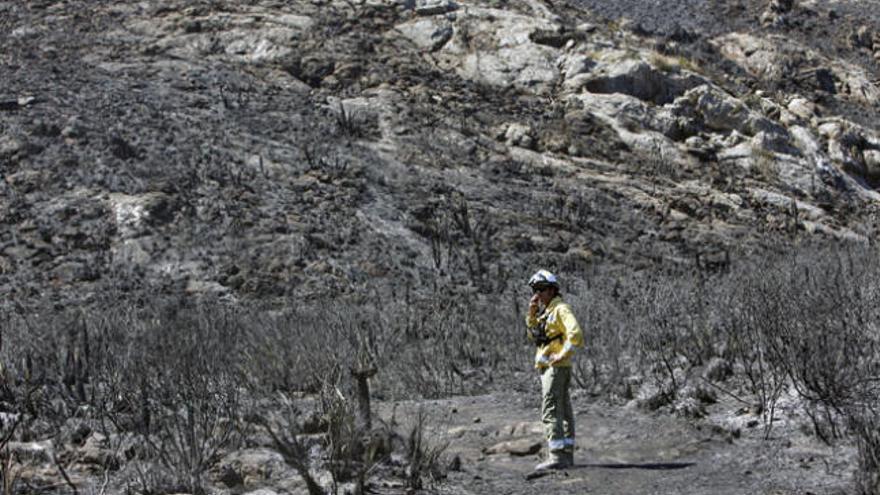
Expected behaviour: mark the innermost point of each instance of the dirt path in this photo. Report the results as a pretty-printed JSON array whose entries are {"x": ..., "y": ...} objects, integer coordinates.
[{"x": 627, "y": 451}]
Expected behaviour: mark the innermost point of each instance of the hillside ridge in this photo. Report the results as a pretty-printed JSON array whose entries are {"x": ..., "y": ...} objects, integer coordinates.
[{"x": 270, "y": 149}]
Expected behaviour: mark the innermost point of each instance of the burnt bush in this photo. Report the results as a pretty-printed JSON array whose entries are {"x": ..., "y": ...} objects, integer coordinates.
[
  {"x": 804, "y": 321},
  {"x": 651, "y": 327},
  {"x": 185, "y": 376},
  {"x": 174, "y": 382}
]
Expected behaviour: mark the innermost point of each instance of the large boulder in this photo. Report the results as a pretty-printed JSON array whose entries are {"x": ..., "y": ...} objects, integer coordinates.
[
  {"x": 429, "y": 34},
  {"x": 622, "y": 72},
  {"x": 717, "y": 111},
  {"x": 853, "y": 147},
  {"x": 492, "y": 46},
  {"x": 631, "y": 112}
]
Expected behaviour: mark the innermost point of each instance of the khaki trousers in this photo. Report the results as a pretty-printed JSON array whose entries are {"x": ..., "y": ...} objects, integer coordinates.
[{"x": 557, "y": 415}]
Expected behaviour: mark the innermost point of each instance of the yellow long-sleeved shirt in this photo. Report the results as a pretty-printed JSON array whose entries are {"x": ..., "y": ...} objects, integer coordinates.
[{"x": 558, "y": 319}]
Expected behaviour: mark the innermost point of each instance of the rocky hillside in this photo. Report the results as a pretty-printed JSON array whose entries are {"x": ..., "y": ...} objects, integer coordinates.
[{"x": 269, "y": 148}]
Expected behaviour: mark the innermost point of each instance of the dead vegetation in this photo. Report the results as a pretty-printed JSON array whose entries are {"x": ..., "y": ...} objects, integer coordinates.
[
  {"x": 170, "y": 385},
  {"x": 803, "y": 322}
]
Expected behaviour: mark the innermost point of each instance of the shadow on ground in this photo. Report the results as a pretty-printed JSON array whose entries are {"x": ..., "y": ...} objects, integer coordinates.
[
  {"x": 659, "y": 466},
  {"x": 649, "y": 466}
]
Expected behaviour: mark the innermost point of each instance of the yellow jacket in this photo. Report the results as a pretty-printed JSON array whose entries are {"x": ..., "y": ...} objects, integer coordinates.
[{"x": 558, "y": 319}]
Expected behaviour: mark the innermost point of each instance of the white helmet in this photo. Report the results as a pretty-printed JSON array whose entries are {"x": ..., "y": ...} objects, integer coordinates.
[{"x": 543, "y": 278}]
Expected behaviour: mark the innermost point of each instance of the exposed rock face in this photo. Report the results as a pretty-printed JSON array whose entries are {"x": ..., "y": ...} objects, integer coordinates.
[
  {"x": 638, "y": 78},
  {"x": 717, "y": 111},
  {"x": 778, "y": 58},
  {"x": 492, "y": 46}
]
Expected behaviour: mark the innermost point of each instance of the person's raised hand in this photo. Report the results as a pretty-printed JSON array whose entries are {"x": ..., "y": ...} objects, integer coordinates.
[{"x": 533, "y": 304}]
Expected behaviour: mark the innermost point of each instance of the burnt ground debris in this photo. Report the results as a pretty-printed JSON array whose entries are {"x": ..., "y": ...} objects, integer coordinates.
[{"x": 258, "y": 183}]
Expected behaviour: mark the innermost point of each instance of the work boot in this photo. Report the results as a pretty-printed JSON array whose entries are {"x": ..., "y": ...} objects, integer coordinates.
[
  {"x": 556, "y": 460},
  {"x": 568, "y": 457}
]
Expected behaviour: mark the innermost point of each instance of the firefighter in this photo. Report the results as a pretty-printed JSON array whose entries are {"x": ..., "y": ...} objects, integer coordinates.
[{"x": 554, "y": 329}]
